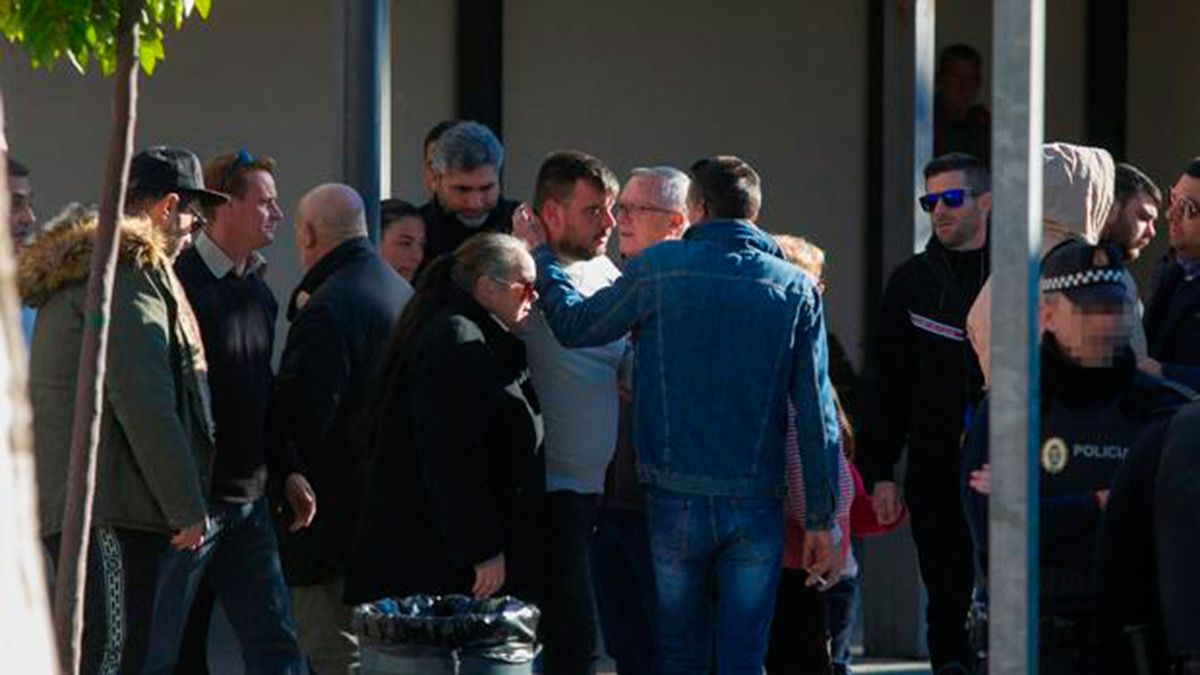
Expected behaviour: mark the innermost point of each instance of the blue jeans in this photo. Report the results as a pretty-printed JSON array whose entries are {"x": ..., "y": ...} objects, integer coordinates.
[
  {"x": 623, "y": 578},
  {"x": 716, "y": 563},
  {"x": 841, "y": 603},
  {"x": 240, "y": 559}
]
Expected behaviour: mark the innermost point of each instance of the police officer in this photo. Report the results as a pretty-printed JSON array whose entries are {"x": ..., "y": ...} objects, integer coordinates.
[
  {"x": 1095, "y": 405},
  {"x": 1153, "y": 501},
  {"x": 1176, "y": 523}
]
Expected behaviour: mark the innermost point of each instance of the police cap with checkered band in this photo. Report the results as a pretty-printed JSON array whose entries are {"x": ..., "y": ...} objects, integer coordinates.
[{"x": 1086, "y": 274}]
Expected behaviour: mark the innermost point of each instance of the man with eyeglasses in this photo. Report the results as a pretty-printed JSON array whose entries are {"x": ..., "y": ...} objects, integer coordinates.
[
  {"x": 1173, "y": 313},
  {"x": 924, "y": 366},
  {"x": 156, "y": 445},
  {"x": 651, "y": 208},
  {"x": 577, "y": 388},
  {"x": 239, "y": 563}
]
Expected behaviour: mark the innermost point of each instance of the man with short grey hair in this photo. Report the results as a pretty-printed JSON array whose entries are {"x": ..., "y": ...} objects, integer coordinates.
[
  {"x": 467, "y": 160},
  {"x": 652, "y": 208}
]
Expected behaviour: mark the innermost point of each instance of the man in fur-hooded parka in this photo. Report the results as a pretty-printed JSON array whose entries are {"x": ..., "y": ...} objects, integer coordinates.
[{"x": 156, "y": 445}]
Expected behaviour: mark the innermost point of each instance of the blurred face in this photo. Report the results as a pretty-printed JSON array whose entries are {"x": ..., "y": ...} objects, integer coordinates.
[
  {"x": 403, "y": 245},
  {"x": 469, "y": 195},
  {"x": 959, "y": 218},
  {"x": 511, "y": 297},
  {"x": 1133, "y": 228},
  {"x": 21, "y": 217},
  {"x": 254, "y": 217},
  {"x": 578, "y": 228},
  {"x": 960, "y": 84},
  {"x": 642, "y": 221},
  {"x": 1183, "y": 216},
  {"x": 1089, "y": 335}
]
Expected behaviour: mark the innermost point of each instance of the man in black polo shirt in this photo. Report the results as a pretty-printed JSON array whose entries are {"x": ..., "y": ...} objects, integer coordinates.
[
  {"x": 467, "y": 160},
  {"x": 222, "y": 275}
]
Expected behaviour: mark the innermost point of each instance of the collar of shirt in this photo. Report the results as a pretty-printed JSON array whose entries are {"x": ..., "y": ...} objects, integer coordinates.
[{"x": 218, "y": 262}]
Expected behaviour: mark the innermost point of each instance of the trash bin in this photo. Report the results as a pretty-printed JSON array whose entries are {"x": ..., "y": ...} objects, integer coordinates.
[{"x": 438, "y": 635}]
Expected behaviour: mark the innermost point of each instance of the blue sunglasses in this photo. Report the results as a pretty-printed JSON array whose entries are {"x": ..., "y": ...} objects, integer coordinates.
[{"x": 952, "y": 198}]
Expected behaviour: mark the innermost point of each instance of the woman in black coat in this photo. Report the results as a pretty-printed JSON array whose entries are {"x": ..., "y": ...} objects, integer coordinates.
[{"x": 455, "y": 500}]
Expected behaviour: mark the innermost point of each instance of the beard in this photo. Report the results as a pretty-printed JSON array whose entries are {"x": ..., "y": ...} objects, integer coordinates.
[{"x": 475, "y": 222}]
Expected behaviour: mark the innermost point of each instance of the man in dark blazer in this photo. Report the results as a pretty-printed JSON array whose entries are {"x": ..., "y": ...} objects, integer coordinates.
[
  {"x": 342, "y": 314},
  {"x": 1173, "y": 313}
]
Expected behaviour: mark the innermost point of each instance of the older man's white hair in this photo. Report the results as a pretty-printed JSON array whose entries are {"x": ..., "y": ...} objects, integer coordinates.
[{"x": 670, "y": 183}]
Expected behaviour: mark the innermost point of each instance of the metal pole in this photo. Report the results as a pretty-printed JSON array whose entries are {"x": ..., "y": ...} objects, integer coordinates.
[
  {"x": 1018, "y": 95},
  {"x": 366, "y": 50},
  {"x": 924, "y": 34}
]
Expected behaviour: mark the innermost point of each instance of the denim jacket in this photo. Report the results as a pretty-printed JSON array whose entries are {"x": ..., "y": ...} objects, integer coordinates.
[{"x": 726, "y": 333}]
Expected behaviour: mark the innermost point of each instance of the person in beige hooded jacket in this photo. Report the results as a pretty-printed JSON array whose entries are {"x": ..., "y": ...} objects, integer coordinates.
[{"x": 1078, "y": 183}]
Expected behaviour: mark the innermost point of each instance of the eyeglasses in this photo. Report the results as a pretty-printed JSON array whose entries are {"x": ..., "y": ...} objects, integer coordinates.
[
  {"x": 1189, "y": 206},
  {"x": 193, "y": 209},
  {"x": 528, "y": 288},
  {"x": 242, "y": 159},
  {"x": 632, "y": 210},
  {"x": 952, "y": 198}
]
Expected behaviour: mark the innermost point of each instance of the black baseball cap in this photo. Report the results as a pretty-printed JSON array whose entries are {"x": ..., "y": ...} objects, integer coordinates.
[
  {"x": 165, "y": 169},
  {"x": 1086, "y": 274}
]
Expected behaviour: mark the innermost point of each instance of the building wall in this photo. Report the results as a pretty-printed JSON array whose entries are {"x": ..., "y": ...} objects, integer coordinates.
[
  {"x": 264, "y": 75},
  {"x": 1163, "y": 104},
  {"x": 970, "y": 21},
  {"x": 423, "y": 63}
]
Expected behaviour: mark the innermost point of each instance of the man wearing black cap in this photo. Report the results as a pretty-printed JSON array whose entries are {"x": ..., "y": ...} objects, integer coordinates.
[
  {"x": 156, "y": 443},
  {"x": 166, "y": 186},
  {"x": 1095, "y": 405}
]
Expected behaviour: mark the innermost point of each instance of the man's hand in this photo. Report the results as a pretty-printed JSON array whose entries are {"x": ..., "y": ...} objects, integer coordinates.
[
  {"x": 981, "y": 480},
  {"x": 1149, "y": 365},
  {"x": 190, "y": 538},
  {"x": 489, "y": 577},
  {"x": 527, "y": 227},
  {"x": 818, "y": 556},
  {"x": 302, "y": 499},
  {"x": 887, "y": 502}
]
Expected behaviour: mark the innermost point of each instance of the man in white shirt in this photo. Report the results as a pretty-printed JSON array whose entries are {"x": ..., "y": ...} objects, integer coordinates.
[{"x": 577, "y": 388}]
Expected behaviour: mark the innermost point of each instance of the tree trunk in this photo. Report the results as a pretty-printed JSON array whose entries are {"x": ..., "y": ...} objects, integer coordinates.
[
  {"x": 26, "y": 642},
  {"x": 85, "y": 433}
]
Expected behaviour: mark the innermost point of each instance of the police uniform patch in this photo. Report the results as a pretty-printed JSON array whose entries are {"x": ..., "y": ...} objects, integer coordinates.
[{"x": 1054, "y": 455}]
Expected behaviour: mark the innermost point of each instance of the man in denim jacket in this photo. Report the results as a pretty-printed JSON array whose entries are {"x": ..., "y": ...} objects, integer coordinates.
[{"x": 728, "y": 335}]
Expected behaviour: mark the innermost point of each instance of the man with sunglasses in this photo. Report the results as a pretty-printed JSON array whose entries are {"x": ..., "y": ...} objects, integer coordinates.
[
  {"x": 239, "y": 563},
  {"x": 924, "y": 367},
  {"x": 156, "y": 444},
  {"x": 1173, "y": 313}
]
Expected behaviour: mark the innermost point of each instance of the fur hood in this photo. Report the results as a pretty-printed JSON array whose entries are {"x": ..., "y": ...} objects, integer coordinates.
[{"x": 62, "y": 254}]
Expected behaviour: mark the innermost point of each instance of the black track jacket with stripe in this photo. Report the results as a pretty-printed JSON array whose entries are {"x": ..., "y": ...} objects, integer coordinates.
[{"x": 926, "y": 373}]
